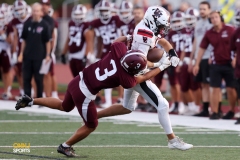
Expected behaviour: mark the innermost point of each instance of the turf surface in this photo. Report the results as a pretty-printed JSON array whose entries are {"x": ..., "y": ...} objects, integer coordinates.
[{"x": 112, "y": 140}]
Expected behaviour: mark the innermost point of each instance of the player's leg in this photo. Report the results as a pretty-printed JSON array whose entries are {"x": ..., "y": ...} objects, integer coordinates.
[
  {"x": 153, "y": 95},
  {"x": 203, "y": 78},
  {"x": 238, "y": 96},
  {"x": 215, "y": 83},
  {"x": 120, "y": 94},
  {"x": 129, "y": 104},
  {"x": 108, "y": 98},
  {"x": 228, "y": 76},
  {"x": 47, "y": 84},
  {"x": 18, "y": 71}
]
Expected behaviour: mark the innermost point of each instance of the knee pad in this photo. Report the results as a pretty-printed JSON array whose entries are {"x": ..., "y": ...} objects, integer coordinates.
[{"x": 163, "y": 105}]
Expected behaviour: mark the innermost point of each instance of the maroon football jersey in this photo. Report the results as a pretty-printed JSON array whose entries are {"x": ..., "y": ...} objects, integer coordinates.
[
  {"x": 76, "y": 36},
  {"x": 188, "y": 37},
  {"x": 235, "y": 46},
  {"x": 108, "y": 32},
  {"x": 18, "y": 24},
  {"x": 176, "y": 38},
  {"x": 221, "y": 42},
  {"x": 108, "y": 72},
  {"x": 127, "y": 28}
]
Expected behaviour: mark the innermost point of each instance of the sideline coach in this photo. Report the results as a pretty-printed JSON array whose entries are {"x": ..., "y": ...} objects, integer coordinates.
[{"x": 35, "y": 48}]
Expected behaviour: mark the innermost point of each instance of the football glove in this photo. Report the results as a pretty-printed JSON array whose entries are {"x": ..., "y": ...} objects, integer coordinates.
[
  {"x": 165, "y": 63},
  {"x": 173, "y": 57}
]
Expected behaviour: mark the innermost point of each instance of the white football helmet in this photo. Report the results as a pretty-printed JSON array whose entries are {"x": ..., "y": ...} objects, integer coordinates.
[
  {"x": 125, "y": 11},
  {"x": 104, "y": 11},
  {"x": 115, "y": 9},
  {"x": 191, "y": 16},
  {"x": 158, "y": 20},
  {"x": 4, "y": 9},
  {"x": 177, "y": 21},
  {"x": 237, "y": 18},
  {"x": 78, "y": 13},
  {"x": 20, "y": 9}
]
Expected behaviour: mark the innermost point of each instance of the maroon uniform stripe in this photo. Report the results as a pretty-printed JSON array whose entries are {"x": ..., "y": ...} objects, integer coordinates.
[{"x": 145, "y": 33}]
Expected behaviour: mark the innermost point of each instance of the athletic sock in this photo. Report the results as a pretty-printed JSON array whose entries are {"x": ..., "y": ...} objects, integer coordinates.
[
  {"x": 205, "y": 106},
  {"x": 176, "y": 105},
  {"x": 108, "y": 96},
  {"x": 44, "y": 95},
  {"x": 54, "y": 94},
  {"x": 219, "y": 107},
  {"x": 65, "y": 145},
  {"x": 9, "y": 89},
  {"x": 163, "y": 117},
  {"x": 21, "y": 91}
]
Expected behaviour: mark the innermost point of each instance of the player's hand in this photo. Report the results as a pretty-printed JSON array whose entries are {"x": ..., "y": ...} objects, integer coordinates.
[
  {"x": 20, "y": 58},
  {"x": 195, "y": 70},
  {"x": 174, "y": 61},
  {"x": 233, "y": 62},
  {"x": 129, "y": 37},
  {"x": 63, "y": 59},
  {"x": 14, "y": 59},
  {"x": 166, "y": 63}
]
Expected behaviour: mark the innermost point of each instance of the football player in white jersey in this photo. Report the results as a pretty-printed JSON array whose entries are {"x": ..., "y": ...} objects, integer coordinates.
[{"x": 150, "y": 31}]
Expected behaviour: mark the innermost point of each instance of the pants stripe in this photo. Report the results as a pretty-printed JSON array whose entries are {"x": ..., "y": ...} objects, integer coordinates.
[{"x": 149, "y": 92}]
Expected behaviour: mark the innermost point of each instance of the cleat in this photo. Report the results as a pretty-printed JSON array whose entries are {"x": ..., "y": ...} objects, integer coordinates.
[
  {"x": 177, "y": 143},
  {"x": 202, "y": 114},
  {"x": 229, "y": 115},
  {"x": 23, "y": 102},
  {"x": 214, "y": 116},
  {"x": 67, "y": 151},
  {"x": 238, "y": 121}
]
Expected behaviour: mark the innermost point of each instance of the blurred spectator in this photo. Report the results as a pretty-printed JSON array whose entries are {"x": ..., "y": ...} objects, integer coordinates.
[
  {"x": 219, "y": 36},
  {"x": 184, "y": 6},
  {"x": 36, "y": 47},
  {"x": 142, "y": 3},
  {"x": 166, "y": 5},
  {"x": 202, "y": 77}
]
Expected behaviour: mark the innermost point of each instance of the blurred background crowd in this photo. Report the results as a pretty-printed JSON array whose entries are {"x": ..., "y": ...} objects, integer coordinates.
[{"x": 80, "y": 32}]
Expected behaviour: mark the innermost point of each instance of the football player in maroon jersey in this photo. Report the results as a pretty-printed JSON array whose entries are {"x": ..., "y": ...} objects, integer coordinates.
[
  {"x": 6, "y": 33},
  {"x": 119, "y": 67},
  {"x": 186, "y": 79},
  {"x": 175, "y": 38},
  {"x": 79, "y": 42},
  {"x": 20, "y": 17},
  {"x": 106, "y": 29},
  {"x": 127, "y": 22}
]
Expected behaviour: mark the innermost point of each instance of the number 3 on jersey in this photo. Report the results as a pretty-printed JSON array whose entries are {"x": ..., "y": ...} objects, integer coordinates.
[{"x": 106, "y": 72}]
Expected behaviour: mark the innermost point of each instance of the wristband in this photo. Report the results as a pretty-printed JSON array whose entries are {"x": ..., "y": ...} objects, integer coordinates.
[
  {"x": 156, "y": 65},
  {"x": 172, "y": 53}
]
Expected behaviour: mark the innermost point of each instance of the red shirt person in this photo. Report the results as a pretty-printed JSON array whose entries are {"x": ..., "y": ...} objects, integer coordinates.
[
  {"x": 219, "y": 36},
  {"x": 116, "y": 68}
]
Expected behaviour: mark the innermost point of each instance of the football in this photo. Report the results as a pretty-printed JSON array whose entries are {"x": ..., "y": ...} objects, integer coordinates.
[{"x": 155, "y": 54}]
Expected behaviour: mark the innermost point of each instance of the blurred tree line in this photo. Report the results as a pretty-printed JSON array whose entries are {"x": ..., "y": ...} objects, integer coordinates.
[{"x": 55, "y": 3}]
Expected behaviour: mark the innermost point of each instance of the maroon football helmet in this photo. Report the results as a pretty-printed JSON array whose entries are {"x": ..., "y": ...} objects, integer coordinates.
[
  {"x": 134, "y": 62},
  {"x": 237, "y": 18}
]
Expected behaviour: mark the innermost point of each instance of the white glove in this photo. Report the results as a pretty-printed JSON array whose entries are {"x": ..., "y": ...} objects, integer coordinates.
[
  {"x": 14, "y": 59},
  {"x": 165, "y": 63},
  {"x": 174, "y": 61},
  {"x": 164, "y": 56},
  {"x": 91, "y": 58}
]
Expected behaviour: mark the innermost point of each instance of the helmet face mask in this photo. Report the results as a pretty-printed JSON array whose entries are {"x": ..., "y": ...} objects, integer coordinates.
[
  {"x": 20, "y": 9},
  {"x": 104, "y": 11},
  {"x": 191, "y": 16},
  {"x": 105, "y": 15},
  {"x": 19, "y": 12},
  {"x": 177, "y": 21},
  {"x": 125, "y": 11}
]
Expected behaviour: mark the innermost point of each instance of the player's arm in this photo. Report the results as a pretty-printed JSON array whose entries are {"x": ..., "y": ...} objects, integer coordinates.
[
  {"x": 99, "y": 47},
  {"x": 23, "y": 45},
  {"x": 89, "y": 37},
  {"x": 65, "y": 50},
  {"x": 54, "y": 40},
  {"x": 15, "y": 40},
  {"x": 169, "y": 48},
  {"x": 193, "y": 50}
]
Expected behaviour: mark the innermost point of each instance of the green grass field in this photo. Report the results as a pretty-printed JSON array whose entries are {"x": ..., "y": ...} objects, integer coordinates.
[{"x": 113, "y": 140}]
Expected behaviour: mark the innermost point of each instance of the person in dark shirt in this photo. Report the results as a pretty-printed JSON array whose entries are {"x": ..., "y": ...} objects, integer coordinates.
[
  {"x": 35, "y": 48},
  {"x": 50, "y": 83}
]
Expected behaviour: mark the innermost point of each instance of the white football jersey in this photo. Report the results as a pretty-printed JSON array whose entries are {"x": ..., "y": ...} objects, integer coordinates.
[{"x": 143, "y": 38}]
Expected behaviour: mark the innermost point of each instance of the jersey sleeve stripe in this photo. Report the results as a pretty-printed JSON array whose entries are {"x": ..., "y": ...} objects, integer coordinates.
[{"x": 145, "y": 33}]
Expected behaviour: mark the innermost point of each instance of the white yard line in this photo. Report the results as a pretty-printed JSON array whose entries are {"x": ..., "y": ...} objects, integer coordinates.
[
  {"x": 123, "y": 146},
  {"x": 119, "y": 133}
]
